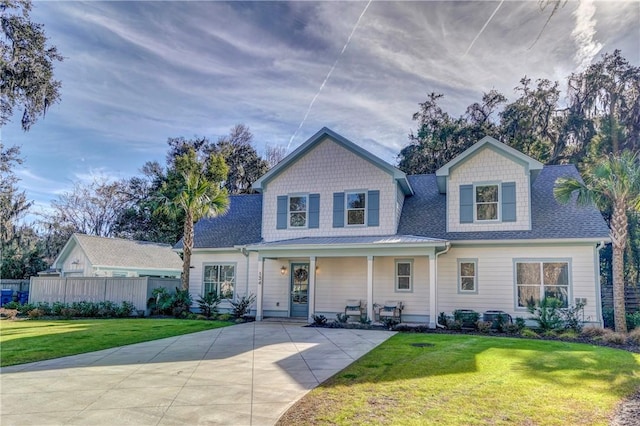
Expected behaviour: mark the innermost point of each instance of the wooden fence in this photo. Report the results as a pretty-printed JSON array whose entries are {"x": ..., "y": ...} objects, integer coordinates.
[
  {"x": 97, "y": 289},
  {"x": 15, "y": 285},
  {"x": 631, "y": 298}
]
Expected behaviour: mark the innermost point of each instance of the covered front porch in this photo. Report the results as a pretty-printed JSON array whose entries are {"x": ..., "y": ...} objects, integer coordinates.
[{"x": 320, "y": 276}]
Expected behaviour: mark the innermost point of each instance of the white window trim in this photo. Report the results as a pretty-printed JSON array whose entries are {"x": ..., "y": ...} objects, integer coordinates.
[
  {"x": 235, "y": 276},
  {"x": 346, "y": 207},
  {"x": 306, "y": 211},
  {"x": 395, "y": 275},
  {"x": 475, "y": 278},
  {"x": 498, "y": 207},
  {"x": 541, "y": 262}
]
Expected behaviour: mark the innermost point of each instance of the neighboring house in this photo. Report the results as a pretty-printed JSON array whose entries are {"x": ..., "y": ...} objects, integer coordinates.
[
  {"x": 90, "y": 256},
  {"x": 332, "y": 223}
]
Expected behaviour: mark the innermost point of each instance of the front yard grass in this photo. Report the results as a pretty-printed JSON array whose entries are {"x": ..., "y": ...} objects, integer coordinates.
[
  {"x": 30, "y": 340},
  {"x": 422, "y": 379}
]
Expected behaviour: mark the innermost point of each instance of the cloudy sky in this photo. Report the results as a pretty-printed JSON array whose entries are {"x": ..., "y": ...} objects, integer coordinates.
[{"x": 136, "y": 73}]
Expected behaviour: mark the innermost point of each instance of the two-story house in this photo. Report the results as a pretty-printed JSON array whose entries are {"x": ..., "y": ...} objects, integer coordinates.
[{"x": 332, "y": 222}]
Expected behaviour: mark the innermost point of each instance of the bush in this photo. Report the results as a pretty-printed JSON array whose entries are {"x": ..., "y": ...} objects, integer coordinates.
[
  {"x": 614, "y": 338},
  {"x": 364, "y": 320},
  {"x": 342, "y": 318},
  {"x": 512, "y": 329},
  {"x": 634, "y": 336},
  {"x": 527, "y": 332},
  {"x": 319, "y": 319},
  {"x": 125, "y": 309},
  {"x": 181, "y": 303},
  {"x": 224, "y": 317},
  {"x": 520, "y": 323},
  {"x": 484, "y": 326},
  {"x": 569, "y": 335},
  {"x": 633, "y": 319},
  {"x": 593, "y": 331},
  {"x": 467, "y": 318},
  {"x": 160, "y": 302},
  {"x": 69, "y": 313},
  {"x": 390, "y": 322},
  {"x": 573, "y": 316},
  {"x": 12, "y": 305},
  {"x": 547, "y": 314},
  {"x": 57, "y": 307},
  {"x": 241, "y": 307},
  {"x": 208, "y": 304},
  {"x": 35, "y": 313}
]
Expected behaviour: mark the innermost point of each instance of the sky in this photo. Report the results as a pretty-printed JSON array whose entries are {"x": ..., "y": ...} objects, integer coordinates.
[{"x": 137, "y": 73}]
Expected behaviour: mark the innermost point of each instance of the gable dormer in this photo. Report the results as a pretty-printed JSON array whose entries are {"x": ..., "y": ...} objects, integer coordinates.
[
  {"x": 329, "y": 186},
  {"x": 488, "y": 188}
]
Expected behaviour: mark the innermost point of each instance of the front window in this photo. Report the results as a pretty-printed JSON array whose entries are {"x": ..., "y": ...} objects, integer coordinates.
[
  {"x": 537, "y": 280},
  {"x": 487, "y": 202},
  {"x": 298, "y": 211},
  {"x": 468, "y": 273},
  {"x": 403, "y": 275},
  {"x": 220, "y": 279},
  {"x": 356, "y": 208}
]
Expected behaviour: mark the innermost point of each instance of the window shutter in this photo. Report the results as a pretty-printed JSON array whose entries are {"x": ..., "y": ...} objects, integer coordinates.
[
  {"x": 338, "y": 209},
  {"x": 373, "y": 208},
  {"x": 314, "y": 210},
  {"x": 466, "y": 203},
  {"x": 281, "y": 214},
  {"x": 509, "y": 202}
]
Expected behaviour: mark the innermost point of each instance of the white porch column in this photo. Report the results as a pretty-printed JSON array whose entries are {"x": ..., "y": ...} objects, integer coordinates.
[
  {"x": 370, "y": 288},
  {"x": 260, "y": 288},
  {"x": 433, "y": 315},
  {"x": 311, "y": 291}
]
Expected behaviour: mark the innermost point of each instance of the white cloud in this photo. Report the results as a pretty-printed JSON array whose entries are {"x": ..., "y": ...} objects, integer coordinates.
[{"x": 584, "y": 32}]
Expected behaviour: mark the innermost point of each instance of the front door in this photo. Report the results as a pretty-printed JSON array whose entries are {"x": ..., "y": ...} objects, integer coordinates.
[{"x": 299, "y": 289}]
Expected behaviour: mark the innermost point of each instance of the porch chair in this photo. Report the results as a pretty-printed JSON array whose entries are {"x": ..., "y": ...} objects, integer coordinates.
[
  {"x": 353, "y": 308},
  {"x": 391, "y": 309}
]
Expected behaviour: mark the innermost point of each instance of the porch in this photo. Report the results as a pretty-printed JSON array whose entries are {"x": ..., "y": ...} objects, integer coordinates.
[{"x": 318, "y": 276}]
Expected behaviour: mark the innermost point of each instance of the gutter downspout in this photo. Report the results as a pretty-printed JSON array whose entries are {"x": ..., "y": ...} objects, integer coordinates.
[
  {"x": 596, "y": 261},
  {"x": 435, "y": 284}
]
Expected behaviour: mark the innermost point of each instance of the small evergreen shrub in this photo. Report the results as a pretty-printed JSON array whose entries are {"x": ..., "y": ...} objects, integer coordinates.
[
  {"x": 319, "y": 319},
  {"x": 512, "y": 328},
  {"x": 341, "y": 318},
  {"x": 547, "y": 313},
  {"x": 389, "y": 322},
  {"x": 484, "y": 326},
  {"x": 527, "y": 332},
  {"x": 520, "y": 323},
  {"x": 573, "y": 316},
  {"x": 365, "y": 320},
  {"x": 242, "y": 306},
  {"x": 208, "y": 304}
]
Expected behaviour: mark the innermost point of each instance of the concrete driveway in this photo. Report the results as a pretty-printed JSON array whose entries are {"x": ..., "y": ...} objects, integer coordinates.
[{"x": 247, "y": 374}]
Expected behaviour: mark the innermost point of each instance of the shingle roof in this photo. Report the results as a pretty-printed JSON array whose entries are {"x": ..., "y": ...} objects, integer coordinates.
[
  {"x": 128, "y": 254},
  {"x": 241, "y": 225},
  {"x": 424, "y": 214}
]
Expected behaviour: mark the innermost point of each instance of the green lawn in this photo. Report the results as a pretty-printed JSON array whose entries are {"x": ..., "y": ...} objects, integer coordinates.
[
  {"x": 28, "y": 341},
  {"x": 474, "y": 380}
]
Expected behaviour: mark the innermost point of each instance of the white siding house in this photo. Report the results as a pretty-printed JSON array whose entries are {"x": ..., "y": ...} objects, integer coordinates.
[{"x": 332, "y": 223}]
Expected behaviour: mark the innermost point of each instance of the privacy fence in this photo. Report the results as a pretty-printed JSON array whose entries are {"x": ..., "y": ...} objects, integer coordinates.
[
  {"x": 97, "y": 289},
  {"x": 14, "y": 285}
]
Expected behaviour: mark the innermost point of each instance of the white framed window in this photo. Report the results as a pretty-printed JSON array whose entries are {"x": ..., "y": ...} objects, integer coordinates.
[
  {"x": 220, "y": 278},
  {"x": 539, "y": 279},
  {"x": 486, "y": 200},
  {"x": 467, "y": 276},
  {"x": 356, "y": 207},
  {"x": 404, "y": 275},
  {"x": 298, "y": 210}
]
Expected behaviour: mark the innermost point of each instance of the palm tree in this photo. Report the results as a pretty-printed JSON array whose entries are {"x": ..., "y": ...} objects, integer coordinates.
[
  {"x": 612, "y": 184},
  {"x": 197, "y": 197}
]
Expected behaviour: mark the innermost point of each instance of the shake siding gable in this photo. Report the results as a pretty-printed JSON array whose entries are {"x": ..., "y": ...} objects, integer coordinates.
[{"x": 329, "y": 169}]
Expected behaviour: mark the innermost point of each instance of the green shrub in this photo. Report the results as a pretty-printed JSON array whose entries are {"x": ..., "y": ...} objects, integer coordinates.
[
  {"x": 125, "y": 310},
  {"x": 24, "y": 309},
  {"x": 365, "y": 320},
  {"x": 568, "y": 335},
  {"x": 512, "y": 328},
  {"x": 57, "y": 307},
  {"x": 467, "y": 318},
  {"x": 319, "y": 319},
  {"x": 69, "y": 313},
  {"x": 573, "y": 316},
  {"x": 202, "y": 317},
  {"x": 342, "y": 318},
  {"x": 12, "y": 305},
  {"x": 547, "y": 314},
  {"x": 633, "y": 320},
  {"x": 208, "y": 304},
  {"x": 520, "y": 323},
  {"x": 44, "y": 307},
  {"x": 390, "y": 322},
  {"x": 241, "y": 307},
  {"x": 527, "y": 332},
  {"x": 224, "y": 317},
  {"x": 181, "y": 303},
  {"x": 161, "y": 302}
]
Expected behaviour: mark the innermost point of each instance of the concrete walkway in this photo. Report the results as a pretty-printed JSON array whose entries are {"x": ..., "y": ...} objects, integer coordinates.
[{"x": 247, "y": 374}]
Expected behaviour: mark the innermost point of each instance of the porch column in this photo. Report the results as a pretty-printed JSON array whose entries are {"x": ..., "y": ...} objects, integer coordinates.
[
  {"x": 311, "y": 291},
  {"x": 260, "y": 288},
  {"x": 370, "y": 287},
  {"x": 433, "y": 315}
]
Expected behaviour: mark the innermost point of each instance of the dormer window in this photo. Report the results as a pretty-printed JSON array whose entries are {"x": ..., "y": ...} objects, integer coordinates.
[
  {"x": 297, "y": 211},
  {"x": 486, "y": 202},
  {"x": 356, "y": 208}
]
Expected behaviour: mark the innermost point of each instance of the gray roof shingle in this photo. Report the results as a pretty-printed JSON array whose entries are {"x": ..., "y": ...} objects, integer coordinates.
[
  {"x": 241, "y": 225},
  {"x": 424, "y": 214},
  {"x": 117, "y": 252}
]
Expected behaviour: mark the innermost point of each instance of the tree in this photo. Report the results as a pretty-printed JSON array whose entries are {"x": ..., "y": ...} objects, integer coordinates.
[
  {"x": 274, "y": 154},
  {"x": 613, "y": 183},
  {"x": 27, "y": 62},
  {"x": 194, "y": 188},
  {"x": 91, "y": 208}
]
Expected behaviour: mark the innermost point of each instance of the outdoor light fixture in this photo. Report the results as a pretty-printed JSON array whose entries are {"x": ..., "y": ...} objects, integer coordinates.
[{"x": 283, "y": 270}]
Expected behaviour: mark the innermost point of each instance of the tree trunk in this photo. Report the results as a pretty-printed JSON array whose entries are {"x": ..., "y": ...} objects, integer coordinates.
[
  {"x": 187, "y": 246},
  {"x": 619, "y": 241}
]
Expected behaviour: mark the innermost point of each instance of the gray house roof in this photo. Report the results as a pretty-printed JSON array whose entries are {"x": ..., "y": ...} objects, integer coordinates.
[
  {"x": 424, "y": 214},
  {"x": 241, "y": 225},
  {"x": 116, "y": 252}
]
